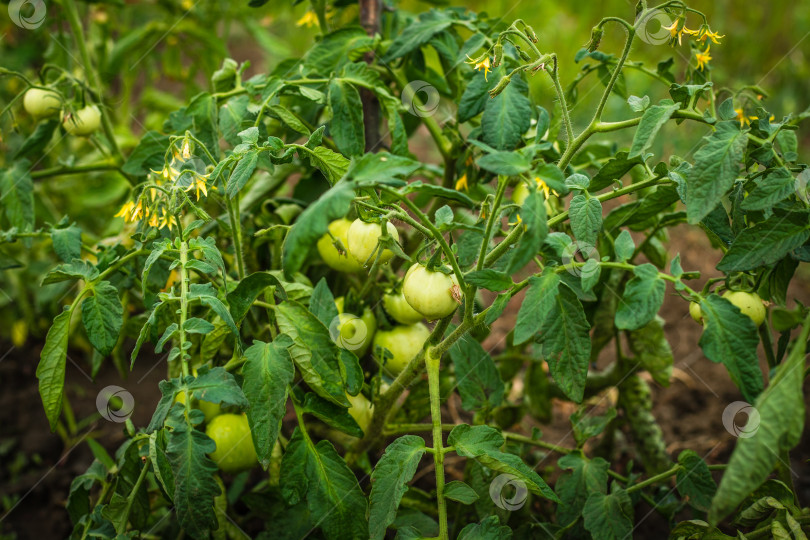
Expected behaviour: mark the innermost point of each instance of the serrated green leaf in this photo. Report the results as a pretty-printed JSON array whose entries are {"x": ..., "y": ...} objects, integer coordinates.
[
  {"x": 771, "y": 189},
  {"x": 566, "y": 345},
  {"x": 346, "y": 127},
  {"x": 586, "y": 218},
  {"x": 17, "y": 195},
  {"x": 241, "y": 173},
  {"x": 651, "y": 122},
  {"x": 67, "y": 242},
  {"x": 317, "y": 473},
  {"x": 460, "y": 492},
  {"x": 729, "y": 337},
  {"x": 581, "y": 478},
  {"x": 716, "y": 166},
  {"x": 483, "y": 443},
  {"x": 479, "y": 382},
  {"x": 103, "y": 316},
  {"x": 695, "y": 480},
  {"x": 218, "y": 386},
  {"x": 642, "y": 298},
  {"x": 505, "y": 163},
  {"x": 779, "y": 428},
  {"x": 313, "y": 351},
  {"x": 507, "y": 116},
  {"x": 268, "y": 370},
  {"x": 764, "y": 244},
  {"x": 51, "y": 368},
  {"x": 417, "y": 33},
  {"x": 195, "y": 486},
  {"x": 490, "y": 528},
  {"x": 609, "y": 517},
  {"x": 489, "y": 279},
  {"x": 389, "y": 481},
  {"x": 538, "y": 301}
]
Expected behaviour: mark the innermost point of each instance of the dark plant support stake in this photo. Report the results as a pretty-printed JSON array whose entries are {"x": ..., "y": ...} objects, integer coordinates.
[{"x": 370, "y": 19}]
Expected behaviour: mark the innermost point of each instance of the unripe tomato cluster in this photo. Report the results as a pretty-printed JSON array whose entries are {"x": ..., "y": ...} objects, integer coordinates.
[{"x": 41, "y": 103}]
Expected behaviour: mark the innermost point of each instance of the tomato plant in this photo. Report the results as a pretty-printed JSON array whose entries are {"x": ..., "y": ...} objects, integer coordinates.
[{"x": 323, "y": 288}]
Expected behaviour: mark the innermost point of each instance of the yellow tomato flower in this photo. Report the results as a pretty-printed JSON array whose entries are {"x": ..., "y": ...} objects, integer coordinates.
[
  {"x": 483, "y": 64},
  {"x": 166, "y": 220},
  {"x": 708, "y": 34},
  {"x": 309, "y": 20},
  {"x": 676, "y": 32},
  {"x": 542, "y": 185},
  {"x": 198, "y": 184},
  {"x": 126, "y": 211},
  {"x": 461, "y": 183},
  {"x": 703, "y": 58}
]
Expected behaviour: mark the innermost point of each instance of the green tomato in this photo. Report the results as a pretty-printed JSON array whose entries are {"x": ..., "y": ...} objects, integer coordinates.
[
  {"x": 399, "y": 308},
  {"x": 749, "y": 303},
  {"x": 694, "y": 311},
  {"x": 342, "y": 262},
  {"x": 361, "y": 410},
  {"x": 83, "y": 122},
  {"x": 42, "y": 103},
  {"x": 430, "y": 293},
  {"x": 403, "y": 342},
  {"x": 352, "y": 332},
  {"x": 363, "y": 238},
  {"x": 235, "y": 451}
]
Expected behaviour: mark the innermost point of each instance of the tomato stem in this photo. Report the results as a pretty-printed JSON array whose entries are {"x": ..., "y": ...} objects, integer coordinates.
[{"x": 433, "y": 363}]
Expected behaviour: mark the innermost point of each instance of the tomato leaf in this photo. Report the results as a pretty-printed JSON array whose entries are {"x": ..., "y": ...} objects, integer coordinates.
[
  {"x": 460, "y": 492},
  {"x": 609, "y": 517},
  {"x": 479, "y": 382},
  {"x": 102, "y": 315},
  {"x": 313, "y": 351},
  {"x": 580, "y": 478},
  {"x": 268, "y": 370},
  {"x": 194, "y": 474},
  {"x": 538, "y": 301},
  {"x": 490, "y": 529},
  {"x": 241, "y": 173},
  {"x": 694, "y": 480},
  {"x": 651, "y": 123},
  {"x": 483, "y": 443},
  {"x": 764, "y": 244},
  {"x": 316, "y": 473},
  {"x": 346, "y": 127},
  {"x": 507, "y": 116},
  {"x": 51, "y": 368},
  {"x": 586, "y": 218},
  {"x": 389, "y": 481},
  {"x": 566, "y": 344},
  {"x": 716, "y": 166},
  {"x": 17, "y": 194},
  {"x": 729, "y": 337},
  {"x": 643, "y": 297},
  {"x": 777, "y": 428}
]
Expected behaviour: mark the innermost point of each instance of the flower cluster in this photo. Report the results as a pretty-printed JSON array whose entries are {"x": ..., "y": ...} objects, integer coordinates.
[
  {"x": 703, "y": 35},
  {"x": 152, "y": 209}
]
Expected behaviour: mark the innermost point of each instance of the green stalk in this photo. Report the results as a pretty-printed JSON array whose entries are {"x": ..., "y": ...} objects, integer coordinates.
[
  {"x": 433, "y": 363},
  {"x": 236, "y": 231},
  {"x": 72, "y": 14},
  {"x": 184, "y": 313}
]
